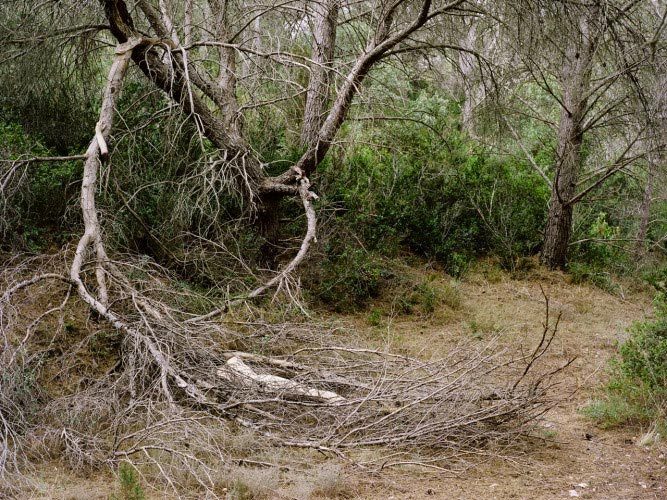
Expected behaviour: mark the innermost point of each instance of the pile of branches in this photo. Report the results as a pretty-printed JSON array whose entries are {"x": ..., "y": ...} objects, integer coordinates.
[{"x": 174, "y": 386}]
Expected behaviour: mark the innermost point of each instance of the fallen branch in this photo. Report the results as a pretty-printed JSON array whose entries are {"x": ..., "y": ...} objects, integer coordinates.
[{"x": 273, "y": 383}]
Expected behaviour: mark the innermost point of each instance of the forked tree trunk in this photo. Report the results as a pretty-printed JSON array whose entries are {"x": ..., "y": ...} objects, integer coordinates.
[
  {"x": 576, "y": 83},
  {"x": 317, "y": 97}
]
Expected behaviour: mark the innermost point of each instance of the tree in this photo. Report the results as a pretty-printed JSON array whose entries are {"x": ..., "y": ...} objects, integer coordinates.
[
  {"x": 179, "y": 376},
  {"x": 582, "y": 56},
  {"x": 651, "y": 100}
]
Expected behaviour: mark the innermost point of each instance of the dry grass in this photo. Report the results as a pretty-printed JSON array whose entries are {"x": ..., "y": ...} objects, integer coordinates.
[
  {"x": 249, "y": 483},
  {"x": 326, "y": 480}
]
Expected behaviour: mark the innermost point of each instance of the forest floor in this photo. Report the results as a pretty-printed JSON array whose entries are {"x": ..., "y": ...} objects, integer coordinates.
[{"x": 575, "y": 458}]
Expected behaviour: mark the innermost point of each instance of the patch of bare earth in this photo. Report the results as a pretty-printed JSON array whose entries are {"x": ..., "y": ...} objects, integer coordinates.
[{"x": 575, "y": 458}]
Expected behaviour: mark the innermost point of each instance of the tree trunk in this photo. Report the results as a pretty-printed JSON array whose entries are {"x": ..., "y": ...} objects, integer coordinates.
[
  {"x": 576, "y": 83},
  {"x": 268, "y": 223},
  {"x": 467, "y": 68},
  {"x": 557, "y": 234},
  {"x": 324, "y": 41},
  {"x": 645, "y": 208}
]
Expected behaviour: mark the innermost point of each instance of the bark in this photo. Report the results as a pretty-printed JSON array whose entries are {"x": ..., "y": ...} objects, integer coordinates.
[
  {"x": 226, "y": 80},
  {"x": 575, "y": 79},
  {"x": 656, "y": 121},
  {"x": 97, "y": 151},
  {"x": 268, "y": 223},
  {"x": 645, "y": 207},
  {"x": 467, "y": 68},
  {"x": 187, "y": 22},
  {"x": 324, "y": 40}
]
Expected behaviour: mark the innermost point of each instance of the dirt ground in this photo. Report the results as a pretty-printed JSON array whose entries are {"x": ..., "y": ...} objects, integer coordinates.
[
  {"x": 575, "y": 459},
  {"x": 578, "y": 459}
]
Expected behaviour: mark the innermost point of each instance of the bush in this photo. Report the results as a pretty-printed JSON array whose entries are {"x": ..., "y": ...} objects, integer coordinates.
[
  {"x": 35, "y": 204},
  {"x": 440, "y": 198},
  {"x": 130, "y": 487},
  {"x": 637, "y": 390},
  {"x": 582, "y": 272},
  {"x": 347, "y": 280}
]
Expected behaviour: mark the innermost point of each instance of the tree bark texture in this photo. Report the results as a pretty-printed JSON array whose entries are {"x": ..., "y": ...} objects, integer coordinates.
[{"x": 325, "y": 15}]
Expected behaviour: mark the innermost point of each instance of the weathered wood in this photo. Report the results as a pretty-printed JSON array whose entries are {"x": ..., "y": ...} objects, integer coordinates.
[{"x": 235, "y": 366}]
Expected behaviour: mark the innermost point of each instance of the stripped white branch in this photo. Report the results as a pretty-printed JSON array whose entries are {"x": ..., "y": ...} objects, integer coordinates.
[{"x": 273, "y": 383}]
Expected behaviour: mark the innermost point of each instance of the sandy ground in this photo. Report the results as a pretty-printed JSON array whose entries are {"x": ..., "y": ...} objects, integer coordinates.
[{"x": 576, "y": 459}]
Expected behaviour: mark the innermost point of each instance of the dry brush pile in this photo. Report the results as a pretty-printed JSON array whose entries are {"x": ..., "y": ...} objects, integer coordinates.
[{"x": 167, "y": 392}]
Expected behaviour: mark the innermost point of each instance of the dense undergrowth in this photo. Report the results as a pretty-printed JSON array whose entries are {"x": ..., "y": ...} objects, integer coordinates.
[
  {"x": 398, "y": 188},
  {"x": 636, "y": 392}
]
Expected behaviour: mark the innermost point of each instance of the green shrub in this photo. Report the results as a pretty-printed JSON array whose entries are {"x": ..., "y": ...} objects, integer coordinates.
[
  {"x": 348, "y": 280},
  {"x": 441, "y": 198},
  {"x": 582, "y": 272},
  {"x": 657, "y": 277},
  {"x": 130, "y": 487},
  {"x": 40, "y": 200},
  {"x": 637, "y": 390}
]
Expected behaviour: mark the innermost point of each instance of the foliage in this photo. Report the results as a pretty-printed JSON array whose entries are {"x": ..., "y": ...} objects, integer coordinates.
[
  {"x": 41, "y": 199},
  {"x": 440, "y": 197},
  {"x": 347, "y": 279},
  {"x": 130, "y": 487},
  {"x": 599, "y": 256},
  {"x": 637, "y": 390}
]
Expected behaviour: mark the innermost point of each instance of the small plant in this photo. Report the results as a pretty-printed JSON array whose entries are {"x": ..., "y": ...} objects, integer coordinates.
[
  {"x": 239, "y": 491},
  {"x": 349, "y": 279},
  {"x": 252, "y": 484},
  {"x": 451, "y": 296},
  {"x": 581, "y": 272},
  {"x": 130, "y": 488},
  {"x": 481, "y": 325},
  {"x": 375, "y": 317}
]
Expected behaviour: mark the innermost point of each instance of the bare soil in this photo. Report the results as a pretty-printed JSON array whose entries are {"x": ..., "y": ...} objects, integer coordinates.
[{"x": 574, "y": 458}]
